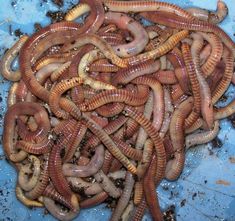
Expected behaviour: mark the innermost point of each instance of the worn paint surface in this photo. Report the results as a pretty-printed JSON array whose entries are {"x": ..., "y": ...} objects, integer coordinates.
[{"x": 206, "y": 189}]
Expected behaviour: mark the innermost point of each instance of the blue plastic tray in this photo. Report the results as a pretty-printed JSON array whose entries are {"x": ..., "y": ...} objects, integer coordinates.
[{"x": 196, "y": 196}]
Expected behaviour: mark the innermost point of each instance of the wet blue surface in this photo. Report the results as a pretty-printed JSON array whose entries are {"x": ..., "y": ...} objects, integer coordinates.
[{"x": 196, "y": 195}]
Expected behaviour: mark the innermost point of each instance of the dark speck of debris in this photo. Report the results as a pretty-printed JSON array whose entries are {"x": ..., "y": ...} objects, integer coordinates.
[
  {"x": 111, "y": 202},
  {"x": 119, "y": 183},
  {"x": 205, "y": 181},
  {"x": 0, "y": 99},
  {"x": 60, "y": 3},
  {"x": 183, "y": 202},
  {"x": 13, "y": 3},
  {"x": 216, "y": 143},
  {"x": 37, "y": 27},
  {"x": 194, "y": 195},
  {"x": 56, "y": 16},
  {"x": 223, "y": 98},
  {"x": 18, "y": 33},
  {"x": 169, "y": 214},
  {"x": 232, "y": 119}
]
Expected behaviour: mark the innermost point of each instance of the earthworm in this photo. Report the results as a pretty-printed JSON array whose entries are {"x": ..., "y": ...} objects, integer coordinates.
[
  {"x": 194, "y": 85},
  {"x": 146, "y": 158},
  {"x": 83, "y": 67},
  {"x": 215, "y": 77},
  {"x": 53, "y": 194},
  {"x": 127, "y": 212},
  {"x": 77, "y": 94},
  {"x": 89, "y": 188},
  {"x": 140, "y": 6},
  {"x": 8, "y": 58},
  {"x": 196, "y": 125},
  {"x": 110, "y": 110},
  {"x": 211, "y": 16},
  {"x": 55, "y": 94},
  {"x": 113, "y": 39},
  {"x": 174, "y": 21},
  {"x": 30, "y": 203},
  {"x": 158, "y": 102},
  {"x": 110, "y": 128},
  {"x": 148, "y": 110},
  {"x": 203, "y": 137},
  {"x": 124, "y": 198},
  {"x": 176, "y": 58},
  {"x": 56, "y": 211},
  {"x": 205, "y": 53},
  {"x": 108, "y": 157},
  {"x": 216, "y": 53},
  {"x": 175, "y": 166},
  {"x": 115, "y": 95},
  {"x": 107, "y": 184},
  {"x": 11, "y": 115},
  {"x": 108, "y": 142},
  {"x": 57, "y": 177},
  {"x": 154, "y": 43},
  {"x": 153, "y": 134},
  {"x": 169, "y": 44},
  {"x": 24, "y": 181},
  {"x": 137, "y": 31},
  {"x": 166, "y": 77},
  {"x": 127, "y": 150},
  {"x": 205, "y": 93},
  {"x": 139, "y": 211},
  {"x": 226, "y": 111},
  {"x": 103, "y": 65},
  {"x": 138, "y": 192},
  {"x": 108, "y": 28},
  {"x": 95, "y": 200},
  {"x": 29, "y": 46},
  {"x": 227, "y": 77},
  {"x": 125, "y": 75},
  {"x": 90, "y": 169},
  {"x": 78, "y": 135},
  {"x": 168, "y": 147},
  {"x": 101, "y": 44},
  {"x": 58, "y": 72},
  {"x": 11, "y": 99},
  {"x": 167, "y": 114},
  {"x": 42, "y": 183},
  {"x": 77, "y": 11},
  {"x": 150, "y": 191},
  {"x": 38, "y": 148}
]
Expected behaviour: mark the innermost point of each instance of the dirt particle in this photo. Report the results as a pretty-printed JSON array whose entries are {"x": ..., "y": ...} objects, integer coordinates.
[
  {"x": 182, "y": 203},
  {"x": 223, "y": 182},
  {"x": 37, "y": 27},
  {"x": 194, "y": 195},
  {"x": 216, "y": 143},
  {"x": 18, "y": 33},
  {"x": 169, "y": 214},
  {"x": 232, "y": 159},
  {"x": 232, "y": 119},
  {"x": 60, "y": 3},
  {"x": 56, "y": 16}
]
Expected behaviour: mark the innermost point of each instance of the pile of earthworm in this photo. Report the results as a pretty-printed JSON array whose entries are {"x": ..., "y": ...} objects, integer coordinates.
[{"x": 105, "y": 109}]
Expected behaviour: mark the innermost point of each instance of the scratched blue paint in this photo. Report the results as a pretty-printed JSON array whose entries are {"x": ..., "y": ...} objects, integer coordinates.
[{"x": 204, "y": 199}]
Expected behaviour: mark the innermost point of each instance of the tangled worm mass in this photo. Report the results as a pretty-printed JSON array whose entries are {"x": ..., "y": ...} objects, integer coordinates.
[{"x": 106, "y": 109}]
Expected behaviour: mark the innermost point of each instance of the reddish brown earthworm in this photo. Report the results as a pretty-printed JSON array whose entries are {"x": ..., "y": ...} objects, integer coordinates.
[
  {"x": 140, "y": 6},
  {"x": 203, "y": 137},
  {"x": 8, "y": 58},
  {"x": 174, "y": 167},
  {"x": 172, "y": 20},
  {"x": 211, "y": 16},
  {"x": 77, "y": 11},
  {"x": 195, "y": 87},
  {"x": 95, "y": 200},
  {"x": 125, "y": 75},
  {"x": 150, "y": 191},
  {"x": 153, "y": 134},
  {"x": 205, "y": 92},
  {"x": 90, "y": 169},
  {"x": 103, "y": 65},
  {"x": 137, "y": 31},
  {"x": 12, "y": 114}
]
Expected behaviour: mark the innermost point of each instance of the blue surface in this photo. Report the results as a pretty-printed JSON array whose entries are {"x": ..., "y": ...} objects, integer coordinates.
[{"x": 204, "y": 199}]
